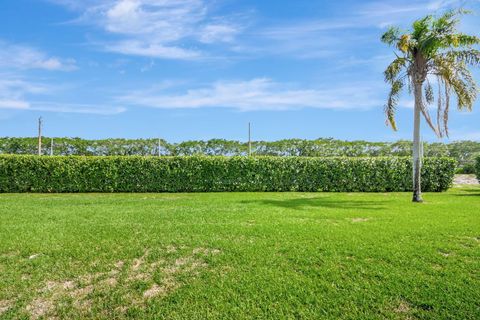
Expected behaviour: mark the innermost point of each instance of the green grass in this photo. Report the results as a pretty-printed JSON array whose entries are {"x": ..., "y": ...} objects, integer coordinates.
[{"x": 240, "y": 256}]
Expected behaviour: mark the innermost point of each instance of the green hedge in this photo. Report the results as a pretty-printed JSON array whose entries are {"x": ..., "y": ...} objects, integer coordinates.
[
  {"x": 202, "y": 174},
  {"x": 477, "y": 168}
]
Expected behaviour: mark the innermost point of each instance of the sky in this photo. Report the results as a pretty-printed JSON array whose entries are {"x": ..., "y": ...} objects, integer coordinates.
[{"x": 202, "y": 69}]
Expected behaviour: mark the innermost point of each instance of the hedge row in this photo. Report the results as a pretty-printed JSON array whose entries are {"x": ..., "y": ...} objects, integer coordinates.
[
  {"x": 216, "y": 174},
  {"x": 477, "y": 168}
]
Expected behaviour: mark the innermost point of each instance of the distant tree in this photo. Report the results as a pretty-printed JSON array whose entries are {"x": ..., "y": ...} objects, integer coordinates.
[{"x": 433, "y": 50}]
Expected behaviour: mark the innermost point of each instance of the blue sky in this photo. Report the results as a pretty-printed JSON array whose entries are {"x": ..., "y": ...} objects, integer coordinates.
[{"x": 201, "y": 69}]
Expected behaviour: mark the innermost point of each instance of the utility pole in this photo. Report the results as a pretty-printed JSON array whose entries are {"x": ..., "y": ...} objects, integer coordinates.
[
  {"x": 40, "y": 136},
  {"x": 51, "y": 147},
  {"x": 249, "y": 140},
  {"x": 159, "y": 147}
]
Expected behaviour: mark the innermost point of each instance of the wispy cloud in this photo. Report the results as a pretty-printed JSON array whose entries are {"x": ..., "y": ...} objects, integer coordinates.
[
  {"x": 169, "y": 29},
  {"x": 384, "y": 13},
  {"x": 76, "y": 108},
  {"x": 152, "y": 50},
  {"x": 19, "y": 94},
  {"x": 13, "y": 91},
  {"x": 345, "y": 33},
  {"x": 15, "y": 56},
  {"x": 258, "y": 94}
]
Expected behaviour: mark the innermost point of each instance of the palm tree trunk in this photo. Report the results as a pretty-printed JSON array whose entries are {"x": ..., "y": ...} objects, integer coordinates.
[{"x": 417, "y": 159}]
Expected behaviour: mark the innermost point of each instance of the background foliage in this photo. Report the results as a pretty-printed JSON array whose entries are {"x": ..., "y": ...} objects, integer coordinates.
[
  {"x": 478, "y": 168},
  {"x": 463, "y": 151},
  {"x": 215, "y": 174}
]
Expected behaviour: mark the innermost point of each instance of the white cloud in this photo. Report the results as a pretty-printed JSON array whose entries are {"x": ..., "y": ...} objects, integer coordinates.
[
  {"x": 25, "y": 57},
  {"x": 169, "y": 29},
  {"x": 76, "y": 108},
  {"x": 218, "y": 33},
  {"x": 385, "y": 13},
  {"x": 13, "y": 91},
  {"x": 355, "y": 29},
  {"x": 19, "y": 94},
  {"x": 153, "y": 50},
  {"x": 258, "y": 94},
  {"x": 13, "y": 104}
]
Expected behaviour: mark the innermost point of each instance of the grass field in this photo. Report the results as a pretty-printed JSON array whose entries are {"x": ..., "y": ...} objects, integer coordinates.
[{"x": 240, "y": 256}]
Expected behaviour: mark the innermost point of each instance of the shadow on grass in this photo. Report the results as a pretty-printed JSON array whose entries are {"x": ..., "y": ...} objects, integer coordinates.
[
  {"x": 468, "y": 192},
  {"x": 322, "y": 202}
]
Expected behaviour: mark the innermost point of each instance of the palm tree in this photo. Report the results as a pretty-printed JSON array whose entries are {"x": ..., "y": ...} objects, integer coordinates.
[{"x": 432, "y": 52}]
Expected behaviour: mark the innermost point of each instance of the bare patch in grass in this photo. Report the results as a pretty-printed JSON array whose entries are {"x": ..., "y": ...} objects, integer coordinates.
[
  {"x": 10, "y": 254},
  {"x": 160, "y": 290},
  {"x": 474, "y": 240},
  {"x": 189, "y": 264},
  {"x": 5, "y": 305},
  {"x": 445, "y": 254},
  {"x": 171, "y": 249},
  {"x": 437, "y": 267},
  {"x": 355, "y": 220},
  {"x": 206, "y": 251},
  {"x": 137, "y": 263},
  {"x": 39, "y": 308},
  {"x": 403, "y": 307},
  {"x": 80, "y": 289}
]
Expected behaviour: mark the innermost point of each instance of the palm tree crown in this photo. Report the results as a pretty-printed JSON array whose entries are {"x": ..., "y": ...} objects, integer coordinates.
[{"x": 432, "y": 50}]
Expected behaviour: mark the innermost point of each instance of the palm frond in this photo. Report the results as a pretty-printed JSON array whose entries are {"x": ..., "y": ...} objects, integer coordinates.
[
  {"x": 446, "y": 110},
  {"x": 457, "y": 77},
  {"x": 427, "y": 117},
  {"x": 440, "y": 105},
  {"x": 391, "y": 36},
  {"x": 429, "y": 93},
  {"x": 392, "y": 102},
  {"x": 393, "y": 70},
  {"x": 468, "y": 56}
]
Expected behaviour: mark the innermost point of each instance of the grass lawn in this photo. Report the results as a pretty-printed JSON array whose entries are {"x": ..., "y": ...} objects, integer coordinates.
[{"x": 240, "y": 256}]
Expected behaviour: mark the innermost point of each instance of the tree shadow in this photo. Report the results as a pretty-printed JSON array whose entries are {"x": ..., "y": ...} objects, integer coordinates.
[
  {"x": 322, "y": 202},
  {"x": 469, "y": 192}
]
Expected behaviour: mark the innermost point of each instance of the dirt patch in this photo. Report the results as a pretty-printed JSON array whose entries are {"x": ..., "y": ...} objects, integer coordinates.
[
  {"x": 206, "y": 251},
  {"x": 160, "y": 290},
  {"x": 110, "y": 282},
  {"x": 355, "y": 220},
  {"x": 475, "y": 239},
  {"x": 5, "y": 305},
  {"x": 137, "y": 263},
  {"x": 68, "y": 285},
  {"x": 403, "y": 307},
  {"x": 39, "y": 307},
  {"x": 171, "y": 249},
  {"x": 80, "y": 289},
  {"x": 189, "y": 264},
  {"x": 81, "y": 293}
]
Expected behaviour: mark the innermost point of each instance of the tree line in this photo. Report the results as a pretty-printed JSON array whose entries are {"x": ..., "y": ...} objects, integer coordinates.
[{"x": 463, "y": 151}]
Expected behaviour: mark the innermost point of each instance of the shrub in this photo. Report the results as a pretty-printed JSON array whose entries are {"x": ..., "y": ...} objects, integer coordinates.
[
  {"x": 477, "y": 167},
  {"x": 469, "y": 168},
  {"x": 215, "y": 174}
]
